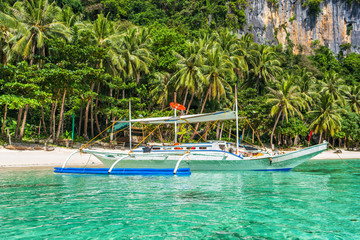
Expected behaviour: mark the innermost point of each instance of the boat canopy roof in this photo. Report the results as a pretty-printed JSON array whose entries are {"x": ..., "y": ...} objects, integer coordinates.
[{"x": 195, "y": 118}]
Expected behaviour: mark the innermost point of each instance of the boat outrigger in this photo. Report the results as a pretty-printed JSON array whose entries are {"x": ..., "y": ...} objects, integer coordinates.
[{"x": 207, "y": 156}]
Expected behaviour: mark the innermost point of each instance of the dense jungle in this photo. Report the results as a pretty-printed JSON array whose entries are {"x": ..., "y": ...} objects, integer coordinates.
[{"x": 83, "y": 60}]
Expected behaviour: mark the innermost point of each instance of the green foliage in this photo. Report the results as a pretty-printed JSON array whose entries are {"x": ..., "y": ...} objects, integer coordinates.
[
  {"x": 294, "y": 127},
  {"x": 324, "y": 59},
  {"x": 116, "y": 9},
  {"x": 147, "y": 50},
  {"x": 236, "y": 18},
  {"x": 76, "y": 5},
  {"x": 165, "y": 43},
  {"x": 351, "y": 68},
  {"x": 350, "y": 125},
  {"x": 314, "y": 6},
  {"x": 274, "y": 4},
  {"x": 349, "y": 28}
]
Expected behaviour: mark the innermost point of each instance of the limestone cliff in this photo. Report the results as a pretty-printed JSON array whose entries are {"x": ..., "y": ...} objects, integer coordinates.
[{"x": 336, "y": 24}]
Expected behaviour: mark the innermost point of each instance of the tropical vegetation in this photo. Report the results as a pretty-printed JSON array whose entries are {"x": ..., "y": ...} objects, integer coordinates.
[{"x": 73, "y": 59}]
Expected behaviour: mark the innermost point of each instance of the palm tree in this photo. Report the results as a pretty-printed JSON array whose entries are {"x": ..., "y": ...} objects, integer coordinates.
[
  {"x": 286, "y": 99},
  {"x": 36, "y": 20},
  {"x": 217, "y": 68},
  {"x": 133, "y": 52},
  {"x": 353, "y": 98},
  {"x": 190, "y": 75},
  {"x": 103, "y": 34},
  {"x": 265, "y": 67},
  {"x": 68, "y": 17},
  {"x": 5, "y": 35},
  {"x": 160, "y": 87},
  {"x": 333, "y": 85},
  {"x": 327, "y": 115},
  {"x": 306, "y": 83},
  {"x": 234, "y": 48}
]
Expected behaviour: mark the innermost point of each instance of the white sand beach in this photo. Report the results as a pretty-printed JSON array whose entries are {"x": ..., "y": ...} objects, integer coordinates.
[
  {"x": 40, "y": 158},
  {"x": 50, "y": 159}
]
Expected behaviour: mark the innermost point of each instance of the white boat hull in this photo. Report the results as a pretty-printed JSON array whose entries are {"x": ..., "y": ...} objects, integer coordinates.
[{"x": 210, "y": 160}]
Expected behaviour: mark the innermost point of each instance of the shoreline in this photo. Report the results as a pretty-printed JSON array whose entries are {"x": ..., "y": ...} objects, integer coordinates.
[{"x": 13, "y": 159}]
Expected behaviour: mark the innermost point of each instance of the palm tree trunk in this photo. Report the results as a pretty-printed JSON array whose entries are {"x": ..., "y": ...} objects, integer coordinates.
[
  {"x": 87, "y": 114},
  {"x": 52, "y": 110},
  {"x": 54, "y": 122},
  {"x": 18, "y": 122},
  {"x": 4, "y": 119},
  {"x": 86, "y": 120},
  {"x": 221, "y": 131},
  {"x": 273, "y": 131},
  {"x": 81, "y": 113},
  {"x": 191, "y": 99},
  {"x": 32, "y": 51},
  {"x": 24, "y": 122},
  {"x": 61, "y": 114},
  {"x": 218, "y": 130},
  {"x": 39, "y": 129},
  {"x": 186, "y": 93},
  {"x": 96, "y": 109},
  {"x": 137, "y": 78},
  {"x": 202, "y": 109},
  {"x": 206, "y": 133},
  {"x": 43, "y": 118},
  {"x": 92, "y": 117},
  {"x": 320, "y": 137}
]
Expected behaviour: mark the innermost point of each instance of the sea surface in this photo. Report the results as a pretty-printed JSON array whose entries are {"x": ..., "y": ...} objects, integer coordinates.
[{"x": 316, "y": 200}]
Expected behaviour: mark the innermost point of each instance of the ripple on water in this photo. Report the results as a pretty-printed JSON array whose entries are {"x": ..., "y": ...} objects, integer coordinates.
[{"x": 319, "y": 200}]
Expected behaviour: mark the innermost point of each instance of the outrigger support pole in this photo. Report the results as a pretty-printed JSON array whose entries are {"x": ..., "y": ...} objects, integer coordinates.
[
  {"x": 179, "y": 161},
  {"x": 118, "y": 160},
  {"x": 237, "y": 122},
  {"x": 68, "y": 158},
  {"x": 130, "y": 124}
]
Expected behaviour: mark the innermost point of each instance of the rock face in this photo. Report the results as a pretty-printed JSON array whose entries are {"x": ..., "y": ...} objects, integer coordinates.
[{"x": 337, "y": 23}]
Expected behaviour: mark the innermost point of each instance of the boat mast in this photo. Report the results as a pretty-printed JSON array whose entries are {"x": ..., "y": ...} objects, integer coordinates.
[
  {"x": 175, "y": 118},
  {"x": 130, "y": 122},
  {"x": 237, "y": 122}
]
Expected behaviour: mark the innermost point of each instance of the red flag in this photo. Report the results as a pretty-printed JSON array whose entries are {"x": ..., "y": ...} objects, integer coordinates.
[{"x": 310, "y": 135}]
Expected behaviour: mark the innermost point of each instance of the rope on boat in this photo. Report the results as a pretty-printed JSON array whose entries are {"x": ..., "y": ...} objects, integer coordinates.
[
  {"x": 241, "y": 139},
  {"x": 148, "y": 135},
  {"x": 344, "y": 160},
  {"x": 88, "y": 143},
  {"x": 188, "y": 150},
  {"x": 196, "y": 132}
]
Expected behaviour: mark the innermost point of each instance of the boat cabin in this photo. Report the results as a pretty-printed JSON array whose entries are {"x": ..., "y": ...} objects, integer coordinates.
[{"x": 218, "y": 145}]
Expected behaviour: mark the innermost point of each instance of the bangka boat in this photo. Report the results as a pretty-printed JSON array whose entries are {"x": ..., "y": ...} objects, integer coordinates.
[{"x": 206, "y": 156}]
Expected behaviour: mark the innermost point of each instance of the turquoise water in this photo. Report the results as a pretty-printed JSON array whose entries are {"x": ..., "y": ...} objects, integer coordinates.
[{"x": 317, "y": 200}]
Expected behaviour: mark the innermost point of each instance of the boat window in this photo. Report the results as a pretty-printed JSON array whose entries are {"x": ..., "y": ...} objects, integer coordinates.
[
  {"x": 178, "y": 148},
  {"x": 157, "y": 148},
  {"x": 190, "y": 147},
  {"x": 202, "y": 147}
]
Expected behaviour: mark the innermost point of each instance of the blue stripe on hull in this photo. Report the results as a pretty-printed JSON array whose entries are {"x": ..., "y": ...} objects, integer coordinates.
[
  {"x": 124, "y": 171},
  {"x": 279, "y": 169}
]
